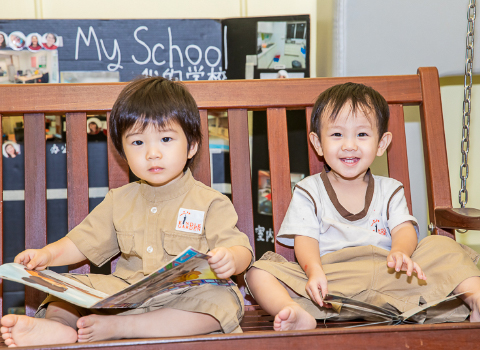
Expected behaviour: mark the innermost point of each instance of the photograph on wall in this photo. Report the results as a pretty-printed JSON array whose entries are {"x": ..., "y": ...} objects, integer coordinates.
[
  {"x": 10, "y": 149},
  {"x": 281, "y": 45},
  {"x": 29, "y": 66},
  {"x": 34, "y": 42},
  {"x": 97, "y": 128}
]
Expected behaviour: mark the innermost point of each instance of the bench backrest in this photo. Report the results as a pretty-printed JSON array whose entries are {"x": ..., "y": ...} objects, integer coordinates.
[{"x": 237, "y": 97}]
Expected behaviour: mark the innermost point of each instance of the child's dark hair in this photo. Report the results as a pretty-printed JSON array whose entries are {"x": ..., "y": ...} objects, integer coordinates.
[
  {"x": 359, "y": 96},
  {"x": 157, "y": 101}
]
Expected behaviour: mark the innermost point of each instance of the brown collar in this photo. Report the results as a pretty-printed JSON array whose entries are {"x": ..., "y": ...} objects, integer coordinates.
[{"x": 333, "y": 196}]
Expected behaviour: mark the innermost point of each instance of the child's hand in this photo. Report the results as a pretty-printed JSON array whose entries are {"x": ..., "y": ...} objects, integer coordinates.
[
  {"x": 402, "y": 262},
  {"x": 34, "y": 259},
  {"x": 317, "y": 287},
  {"x": 222, "y": 262}
]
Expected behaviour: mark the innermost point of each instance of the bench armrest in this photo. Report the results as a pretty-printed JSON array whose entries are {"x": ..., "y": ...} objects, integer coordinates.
[{"x": 458, "y": 218}]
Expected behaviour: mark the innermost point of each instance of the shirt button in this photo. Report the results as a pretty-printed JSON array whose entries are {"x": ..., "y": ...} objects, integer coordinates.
[
  {"x": 150, "y": 249},
  {"x": 153, "y": 210}
]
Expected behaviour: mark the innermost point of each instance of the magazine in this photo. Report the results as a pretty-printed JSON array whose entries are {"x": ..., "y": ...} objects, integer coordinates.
[
  {"x": 379, "y": 314},
  {"x": 187, "y": 270}
]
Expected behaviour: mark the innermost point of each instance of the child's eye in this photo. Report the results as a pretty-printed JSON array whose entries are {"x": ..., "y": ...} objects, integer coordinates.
[
  {"x": 137, "y": 143},
  {"x": 337, "y": 134},
  {"x": 362, "y": 134},
  {"x": 166, "y": 139}
]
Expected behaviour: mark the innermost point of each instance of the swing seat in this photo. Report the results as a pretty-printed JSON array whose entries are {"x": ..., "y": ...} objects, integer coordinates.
[{"x": 237, "y": 98}]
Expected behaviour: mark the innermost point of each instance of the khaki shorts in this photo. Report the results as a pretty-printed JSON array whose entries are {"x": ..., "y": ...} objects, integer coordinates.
[
  {"x": 223, "y": 303},
  {"x": 361, "y": 273}
]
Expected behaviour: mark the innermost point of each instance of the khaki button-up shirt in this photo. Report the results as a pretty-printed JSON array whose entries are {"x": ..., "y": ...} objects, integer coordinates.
[{"x": 145, "y": 224}]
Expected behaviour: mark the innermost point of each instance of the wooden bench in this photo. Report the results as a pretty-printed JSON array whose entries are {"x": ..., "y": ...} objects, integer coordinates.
[{"x": 238, "y": 97}]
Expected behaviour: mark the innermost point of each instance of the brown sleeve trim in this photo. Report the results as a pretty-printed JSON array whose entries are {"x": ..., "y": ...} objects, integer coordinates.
[
  {"x": 311, "y": 197},
  {"x": 390, "y": 199}
]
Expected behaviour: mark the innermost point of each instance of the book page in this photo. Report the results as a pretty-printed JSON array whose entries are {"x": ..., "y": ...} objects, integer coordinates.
[
  {"x": 189, "y": 269},
  {"x": 53, "y": 283}
]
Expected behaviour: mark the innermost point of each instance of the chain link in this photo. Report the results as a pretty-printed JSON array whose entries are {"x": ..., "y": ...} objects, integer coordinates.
[{"x": 467, "y": 104}]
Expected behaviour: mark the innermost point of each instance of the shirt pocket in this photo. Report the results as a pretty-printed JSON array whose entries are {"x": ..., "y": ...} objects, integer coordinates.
[
  {"x": 126, "y": 242},
  {"x": 176, "y": 242}
]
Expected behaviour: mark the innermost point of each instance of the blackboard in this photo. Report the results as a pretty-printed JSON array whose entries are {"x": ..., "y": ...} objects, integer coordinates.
[{"x": 178, "y": 49}]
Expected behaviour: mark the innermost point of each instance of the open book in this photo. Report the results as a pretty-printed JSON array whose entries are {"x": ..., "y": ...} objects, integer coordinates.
[
  {"x": 379, "y": 314},
  {"x": 187, "y": 270}
]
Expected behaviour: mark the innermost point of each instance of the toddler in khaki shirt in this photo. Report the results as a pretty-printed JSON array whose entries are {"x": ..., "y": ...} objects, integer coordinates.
[{"x": 155, "y": 126}]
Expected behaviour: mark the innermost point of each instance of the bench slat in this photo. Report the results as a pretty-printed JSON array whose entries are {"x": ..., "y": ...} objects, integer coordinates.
[
  {"x": 397, "y": 152},
  {"x": 240, "y": 171},
  {"x": 35, "y": 196},
  {"x": 314, "y": 161},
  {"x": 77, "y": 176},
  {"x": 434, "y": 145},
  {"x": 251, "y": 94},
  {"x": 279, "y": 172},
  {"x": 201, "y": 170},
  {"x": 1, "y": 218},
  {"x": 118, "y": 173}
]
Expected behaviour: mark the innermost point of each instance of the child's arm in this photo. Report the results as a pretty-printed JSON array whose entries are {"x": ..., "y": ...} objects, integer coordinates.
[
  {"x": 229, "y": 261},
  {"x": 308, "y": 256},
  {"x": 404, "y": 242},
  {"x": 59, "y": 253}
]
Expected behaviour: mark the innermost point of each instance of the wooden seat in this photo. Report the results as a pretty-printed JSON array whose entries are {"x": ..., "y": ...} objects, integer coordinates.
[{"x": 238, "y": 97}]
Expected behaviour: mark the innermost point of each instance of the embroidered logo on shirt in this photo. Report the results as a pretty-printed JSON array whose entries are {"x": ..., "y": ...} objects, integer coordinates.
[
  {"x": 376, "y": 225},
  {"x": 189, "y": 220}
]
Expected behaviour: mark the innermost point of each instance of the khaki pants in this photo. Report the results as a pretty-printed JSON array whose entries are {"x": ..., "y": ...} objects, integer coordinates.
[
  {"x": 361, "y": 273},
  {"x": 223, "y": 303}
]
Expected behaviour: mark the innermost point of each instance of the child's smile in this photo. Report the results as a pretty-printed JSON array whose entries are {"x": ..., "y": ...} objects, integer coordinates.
[
  {"x": 350, "y": 161},
  {"x": 157, "y": 156}
]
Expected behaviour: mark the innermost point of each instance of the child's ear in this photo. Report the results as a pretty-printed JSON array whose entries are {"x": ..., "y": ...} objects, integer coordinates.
[
  {"x": 193, "y": 150},
  {"x": 384, "y": 143},
  {"x": 315, "y": 140}
]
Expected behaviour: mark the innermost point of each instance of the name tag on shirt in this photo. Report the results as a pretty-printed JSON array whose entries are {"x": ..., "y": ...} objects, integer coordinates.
[
  {"x": 376, "y": 225},
  {"x": 189, "y": 220}
]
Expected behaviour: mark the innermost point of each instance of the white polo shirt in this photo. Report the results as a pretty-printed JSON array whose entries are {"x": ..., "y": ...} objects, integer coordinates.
[{"x": 315, "y": 212}]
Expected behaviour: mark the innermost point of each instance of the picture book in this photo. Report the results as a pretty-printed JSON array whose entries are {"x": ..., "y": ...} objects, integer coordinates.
[
  {"x": 187, "y": 270},
  {"x": 380, "y": 316}
]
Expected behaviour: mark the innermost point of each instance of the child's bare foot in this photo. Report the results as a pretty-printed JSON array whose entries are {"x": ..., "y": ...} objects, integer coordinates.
[
  {"x": 475, "y": 314},
  {"x": 27, "y": 331},
  {"x": 97, "y": 328},
  {"x": 293, "y": 317}
]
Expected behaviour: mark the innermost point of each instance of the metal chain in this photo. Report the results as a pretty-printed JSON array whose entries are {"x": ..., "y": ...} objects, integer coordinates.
[{"x": 467, "y": 105}]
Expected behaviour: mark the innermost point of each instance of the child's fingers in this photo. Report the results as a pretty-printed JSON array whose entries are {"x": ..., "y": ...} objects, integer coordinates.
[
  {"x": 226, "y": 274},
  {"x": 420, "y": 274},
  {"x": 35, "y": 263},
  {"x": 218, "y": 264},
  {"x": 323, "y": 287},
  {"x": 398, "y": 263},
  {"x": 216, "y": 255},
  {"x": 314, "y": 290},
  {"x": 222, "y": 269},
  {"x": 409, "y": 264},
  {"x": 391, "y": 261},
  {"x": 315, "y": 295},
  {"x": 25, "y": 258}
]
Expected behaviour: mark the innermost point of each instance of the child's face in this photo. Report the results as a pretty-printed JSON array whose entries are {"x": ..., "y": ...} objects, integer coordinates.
[
  {"x": 157, "y": 157},
  {"x": 350, "y": 144}
]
